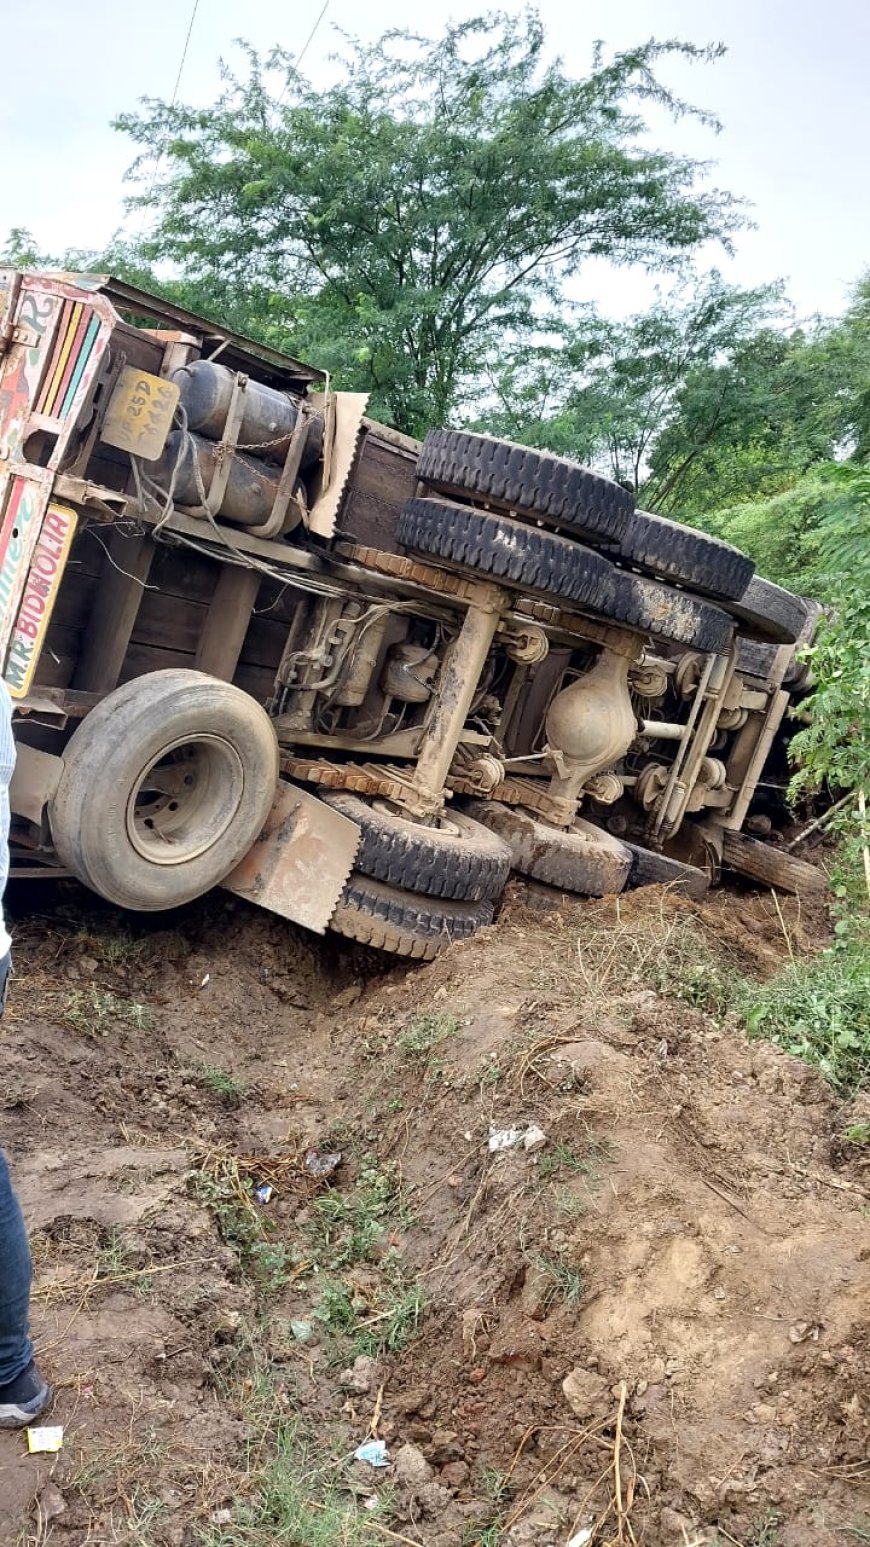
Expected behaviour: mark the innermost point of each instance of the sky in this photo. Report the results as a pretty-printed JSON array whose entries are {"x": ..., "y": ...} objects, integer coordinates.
[{"x": 791, "y": 93}]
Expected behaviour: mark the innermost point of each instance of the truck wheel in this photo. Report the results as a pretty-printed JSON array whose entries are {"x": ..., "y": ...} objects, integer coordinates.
[
  {"x": 680, "y": 553},
  {"x": 510, "y": 553},
  {"x": 651, "y": 869},
  {"x": 461, "y": 859},
  {"x": 402, "y": 922},
  {"x": 512, "y": 477},
  {"x": 582, "y": 859},
  {"x": 166, "y": 784},
  {"x": 507, "y": 552},
  {"x": 770, "y": 866},
  {"x": 663, "y": 611},
  {"x": 768, "y": 611}
]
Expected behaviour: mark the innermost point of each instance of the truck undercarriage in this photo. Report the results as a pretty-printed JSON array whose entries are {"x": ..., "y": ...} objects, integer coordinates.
[{"x": 256, "y": 639}]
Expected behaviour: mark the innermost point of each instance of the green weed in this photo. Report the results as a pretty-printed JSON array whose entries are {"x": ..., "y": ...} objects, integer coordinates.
[
  {"x": 569, "y": 1204},
  {"x": 221, "y": 1083},
  {"x": 857, "y": 1133},
  {"x": 695, "y": 976},
  {"x": 566, "y": 1283},
  {"x": 765, "y": 1533},
  {"x": 425, "y": 1032},
  {"x": 373, "y": 1328},
  {"x": 297, "y": 1499},
  {"x": 351, "y": 1226},
  {"x": 583, "y": 1160},
  {"x": 818, "y": 1010},
  {"x": 228, "y": 1197},
  {"x": 93, "y": 1011}
]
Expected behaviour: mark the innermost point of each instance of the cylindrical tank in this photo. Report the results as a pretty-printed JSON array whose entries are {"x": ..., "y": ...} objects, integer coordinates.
[
  {"x": 252, "y": 486},
  {"x": 268, "y": 420}
]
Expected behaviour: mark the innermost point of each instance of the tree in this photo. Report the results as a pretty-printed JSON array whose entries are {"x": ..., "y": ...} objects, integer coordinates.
[
  {"x": 607, "y": 391},
  {"x": 403, "y": 224},
  {"x": 754, "y": 424}
]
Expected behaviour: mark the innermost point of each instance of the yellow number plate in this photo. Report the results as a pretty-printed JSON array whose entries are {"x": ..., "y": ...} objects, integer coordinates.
[{"x": 140, "y": 413}]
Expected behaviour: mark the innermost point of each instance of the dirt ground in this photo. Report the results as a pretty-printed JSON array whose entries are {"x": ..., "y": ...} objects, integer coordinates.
[{"x": 653, "y": 1322}]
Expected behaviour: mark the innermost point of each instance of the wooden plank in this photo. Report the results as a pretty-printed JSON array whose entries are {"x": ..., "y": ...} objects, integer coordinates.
[
  {"x": 381, "y": 480},
  {"x": 169, "y": 622},
  {"x": 227, "y": 621},
  {"x": 124, "y": 574},
  {"x": 141, "y": 659}
]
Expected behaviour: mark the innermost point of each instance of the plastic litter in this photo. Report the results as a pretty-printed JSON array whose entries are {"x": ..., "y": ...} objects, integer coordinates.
[
  {"x": 303, "y": 1331},
  {"x": 41, "y": 1441},
  {"x": 505, "y": 1139},
  {"x": 373, "y": 1452},
  {"x": 321, "y": 1165},
  {"x": 531, "y": 1138},
  {"x": 582, "y": 1537},
  {"x": 264, "y": 1192},
  {"x": 221, "y": 1517}
]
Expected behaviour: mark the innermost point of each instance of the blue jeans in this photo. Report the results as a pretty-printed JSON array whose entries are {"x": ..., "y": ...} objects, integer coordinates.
[{"x": 16, "y": 1350}]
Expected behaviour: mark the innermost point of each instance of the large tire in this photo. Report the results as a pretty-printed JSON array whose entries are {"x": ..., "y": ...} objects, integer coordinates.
[
  {"x": 691, "y": 558},
  {"x": 770, "y": 866},
  {"x": 507, "y": 552},
  {"x": 653, "y": 608},
  {"x": 462, "y": 859},
  {"x": 511, "y": 477},
  {"x": 402, "y": 922},
  {"x": 166, "y": 784},
  {"x": 767, "y": 611},
  {"x": 583, "y": 859},
  {"x": 651, "y": 869}
]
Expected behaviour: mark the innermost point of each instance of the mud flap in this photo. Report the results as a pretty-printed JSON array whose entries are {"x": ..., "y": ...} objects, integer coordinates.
[{"x": 301, "y": 861}]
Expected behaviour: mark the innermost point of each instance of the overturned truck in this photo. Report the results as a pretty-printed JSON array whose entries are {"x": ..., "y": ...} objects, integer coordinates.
[{"x": 255, "y": 639}]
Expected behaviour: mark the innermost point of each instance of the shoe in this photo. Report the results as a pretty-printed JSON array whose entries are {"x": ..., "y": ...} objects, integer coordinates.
[{"x": 24, "y": 1398}]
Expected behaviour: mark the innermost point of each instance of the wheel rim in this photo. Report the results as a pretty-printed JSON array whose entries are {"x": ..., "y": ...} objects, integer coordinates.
[{"x": 185, "y": 799}]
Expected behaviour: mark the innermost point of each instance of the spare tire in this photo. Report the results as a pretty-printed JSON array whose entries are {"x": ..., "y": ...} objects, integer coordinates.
[
  {"x": 691, "y": 558},
  {"x": 507, "y": 552},
  {"x": 460, "y": 859},
  {"x": 512, "y": 477},
  {"x": 768, "y": 611},
  {"x": 581, "y": 859},
  {"x": 402, "y": 922},
  {"x": 166, "y": 784}
]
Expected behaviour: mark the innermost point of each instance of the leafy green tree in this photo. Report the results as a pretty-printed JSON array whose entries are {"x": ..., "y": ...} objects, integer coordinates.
[
  {"x": 753, "y": 424},
  {"x": 403, "y": 224},
  {"x": 608, "y": 391}
]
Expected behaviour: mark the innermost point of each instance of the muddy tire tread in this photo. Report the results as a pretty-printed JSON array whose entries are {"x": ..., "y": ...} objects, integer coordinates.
[
  {"x": 471, "y": 866},
  {"x": 518, "y": 478},
  {"x": 507, "y": 552},
  {"x": 584, "y": 860},
  {"x": 651, "y": 607},
  {"x": 404, "y": 923},
  {"x": 680, "y": 553}
]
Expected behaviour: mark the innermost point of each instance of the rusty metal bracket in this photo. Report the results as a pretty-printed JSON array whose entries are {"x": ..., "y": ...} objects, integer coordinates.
[
  {"x": 444, "y": 582},
  {"x": 374, "y": 779}
]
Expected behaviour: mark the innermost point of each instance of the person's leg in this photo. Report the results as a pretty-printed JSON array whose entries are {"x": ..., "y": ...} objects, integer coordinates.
[
  {"x": 23, "y": 1392},
  {"x": 16, "y": 1351}
]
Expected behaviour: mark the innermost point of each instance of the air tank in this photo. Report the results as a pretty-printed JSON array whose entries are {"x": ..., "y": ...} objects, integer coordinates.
[
  {"x": 267, "y": 422},
  {"x": 252, "y": 486}
]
